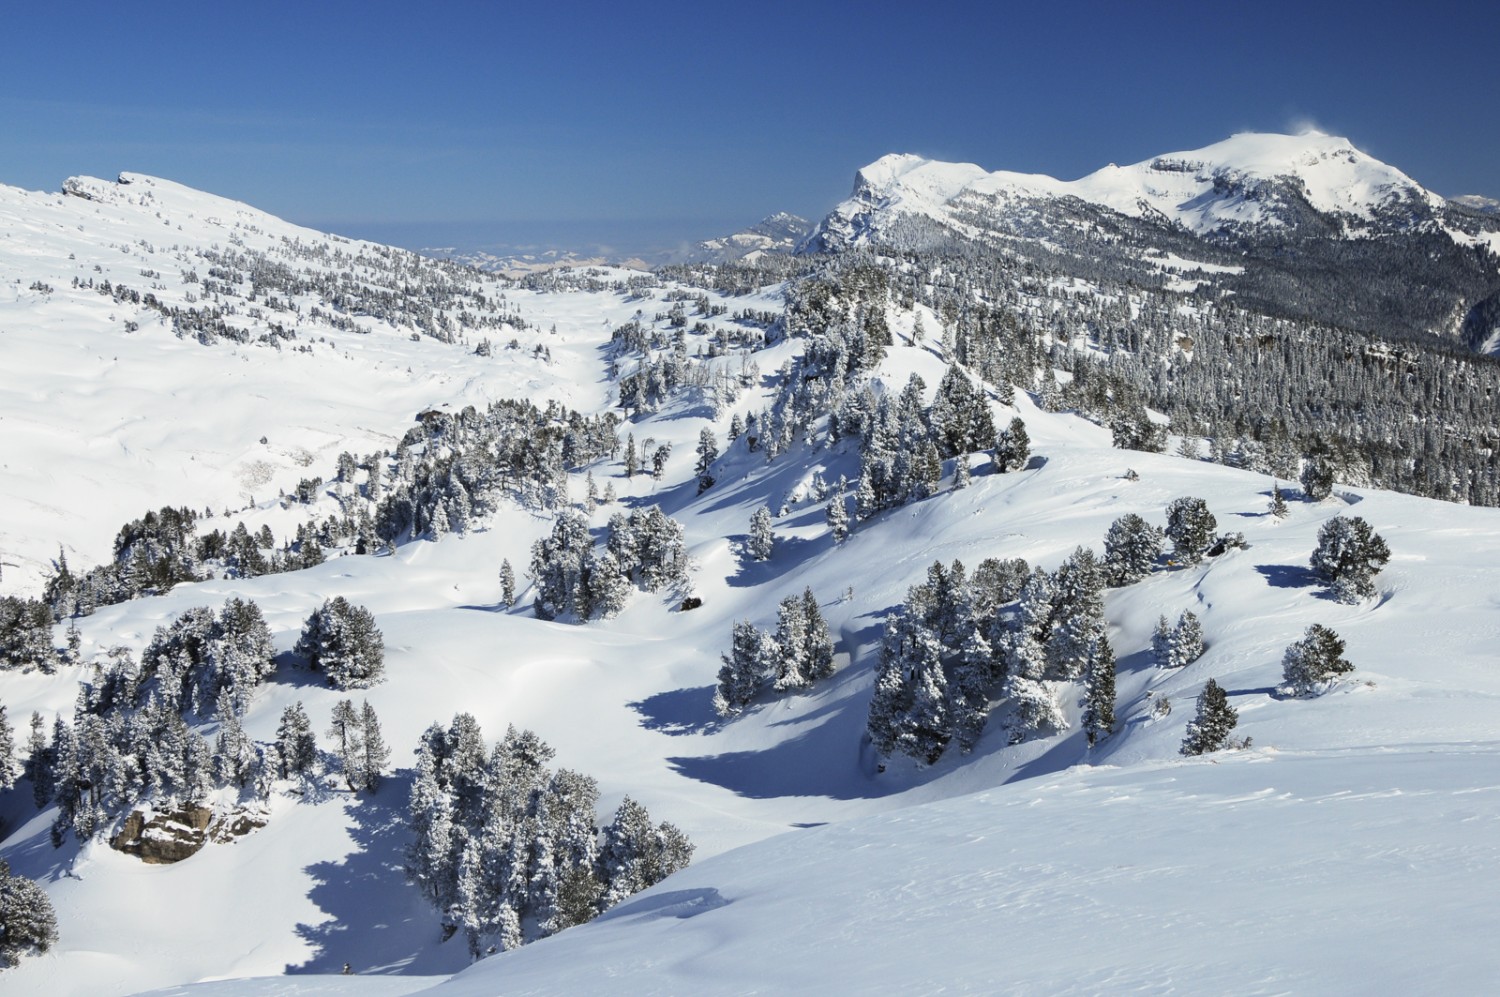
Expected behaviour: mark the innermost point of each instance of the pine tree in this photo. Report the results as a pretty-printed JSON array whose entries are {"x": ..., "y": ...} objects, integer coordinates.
[
  {"x": 7, "y": 752},
  {"x": 742, "y": 671},
  {"x": 1190, "y": 527},
  {"x": 1209, "y": 729},
  {"x": 968, "y": 683},
  {"x": 342, "y": 641},
  {"x": 632, "y": 458},
  {"x": 1313, "y": 662},
  {"x": 1348, "y": 557},
  {"x": 39, "y": 762},
  {"x": 761, "y": 537},
  {"x": 27, "y": 921},
  {"x": 344, "y": 730},
  {"x": 1012, "y": 447},
  {"x": 1099, "y": 708},
  {"x": 507, "y": 584},
  {"x": 708, "y": 452},
  {"x": 1317, "y": 478},
  {"x": 818, "y": 642},
  {"x": 234, "y": 753},
  {"x": 296, "y": 746},
  {"x": 837, "y": 514},
  {"x": 792, "y": 665},
  {"x": 1187, "y": 638},
  {"x": 376, "y": 754},
  {"x": 1131, "y": 549},
  {"x": 1278, "y": 502}
]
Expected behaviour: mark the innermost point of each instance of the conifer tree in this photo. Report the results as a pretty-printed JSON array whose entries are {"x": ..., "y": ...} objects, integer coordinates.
[
  {"x": 39, "y": 762},
  {"x": 1317, "y": 478},
  {"x": 7, "y": 752},
  {"x": 761, "y": 537},
  {"x": 344, "y": 730},
  {"x": 708, "y": 452},
  {"x": 507, "y": 584},
  {"x": 27, "y": 921},
  {"x": 1012, "y": 447},
  {"x": 743, "y": 669},
  {"x": 1209, "y": 729},
  {"x": 1190, "y": 527},
  {"x": 837, "y": 514},
  {"x": 792, "y": 665},
  {"x": 296, "y": 746},
  {"x": 1278, "y": 507},
  {"x": 1099, "y": 708},
  {"x": 1348, "y": 557},
  {"x": 818, "y": 646},
  {"x": 375, "y": 753},
  {"x": 1131, "y": 548},
  {"x": 1312, "y": 663}
]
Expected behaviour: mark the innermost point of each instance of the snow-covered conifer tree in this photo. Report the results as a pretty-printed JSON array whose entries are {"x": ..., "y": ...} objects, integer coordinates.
[
  {"x": 1131, "y": 548},
  {"x": 507, "y": 584},
  {"x": 761, "y": 537},
  {"x": 1209, "y": 729},
  {"x": 375, "y": 754},
  {"x": 1311, "y": 664},
  {"x": 1099, "y": 699},
  {"x": 837, "y": 514},
  {"x": 708, "y": 452},
  {"x": 1348, "y": 557},
  {"x": 344, "y": 730},
  {"x": 1012, "y": 447},
  {"x": 1190, "y": 527}
]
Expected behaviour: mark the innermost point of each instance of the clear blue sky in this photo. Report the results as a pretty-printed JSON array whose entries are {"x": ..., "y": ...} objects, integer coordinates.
[{"x": 500, "y": 122}]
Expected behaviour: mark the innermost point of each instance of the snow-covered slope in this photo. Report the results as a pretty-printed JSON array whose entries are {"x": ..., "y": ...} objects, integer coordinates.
[
  {"x": 1037, "y": 867},
  {"x": 113, "y": 401}
]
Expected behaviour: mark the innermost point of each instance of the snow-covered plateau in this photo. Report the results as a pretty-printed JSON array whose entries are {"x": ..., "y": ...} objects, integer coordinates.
[{"x": 1352, "y": 847}]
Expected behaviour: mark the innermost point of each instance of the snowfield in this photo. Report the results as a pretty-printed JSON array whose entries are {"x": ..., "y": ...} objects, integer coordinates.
[{"x": 1352, "y": 848}]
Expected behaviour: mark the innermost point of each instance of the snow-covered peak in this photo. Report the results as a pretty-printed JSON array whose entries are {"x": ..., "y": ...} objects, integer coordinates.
[{"x": 1247, "y": 179}]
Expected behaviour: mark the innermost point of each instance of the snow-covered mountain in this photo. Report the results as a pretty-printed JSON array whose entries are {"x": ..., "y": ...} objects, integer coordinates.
[
  {"x": 1032, "y": 865},
  {"x": 1301, "y": 223}
]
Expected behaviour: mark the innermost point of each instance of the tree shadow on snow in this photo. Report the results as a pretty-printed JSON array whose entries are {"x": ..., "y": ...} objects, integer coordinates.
[
  {"x": 376, "y": 923},
  {"x": 1287, "y": 576},
  {"x": 787, "y": 553},
  {"x": 679, "y": 711}
]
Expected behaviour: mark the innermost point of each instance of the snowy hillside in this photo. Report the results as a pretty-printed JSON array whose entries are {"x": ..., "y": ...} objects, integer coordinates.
[{"x": 1031, "y": 864}]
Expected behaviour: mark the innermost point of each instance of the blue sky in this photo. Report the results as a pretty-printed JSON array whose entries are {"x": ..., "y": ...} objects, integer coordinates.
[{"x": 574, "y": 122}]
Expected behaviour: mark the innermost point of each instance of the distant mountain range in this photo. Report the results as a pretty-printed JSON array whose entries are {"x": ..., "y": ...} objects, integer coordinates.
[{"x": 778, "y": 233}]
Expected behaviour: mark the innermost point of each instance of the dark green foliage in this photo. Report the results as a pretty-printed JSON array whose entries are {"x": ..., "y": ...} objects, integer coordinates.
[
  {"x": 27, "y": 921},
  {"x": 1012, "y": 447},
  {"x": 1131, "y": 549},
  {"x": 1190, "y": 527},
  {"x": 1312, "y": 663},
  {"x": 1348, "y": 557},
  {"x": 1209, "y": 730},
  {"x": 1317, "y": 478},
  {"x": 341, "y": 640}
]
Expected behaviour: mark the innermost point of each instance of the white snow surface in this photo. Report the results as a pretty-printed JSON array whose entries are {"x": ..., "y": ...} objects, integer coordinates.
[{"x": 1352, "y": 848}]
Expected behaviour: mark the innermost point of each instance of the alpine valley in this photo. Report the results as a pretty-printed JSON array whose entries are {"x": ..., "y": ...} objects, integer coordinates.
[{"x": 1002, "y": 585}]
